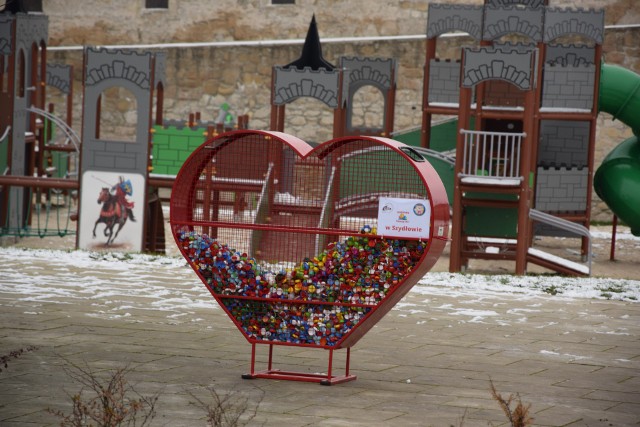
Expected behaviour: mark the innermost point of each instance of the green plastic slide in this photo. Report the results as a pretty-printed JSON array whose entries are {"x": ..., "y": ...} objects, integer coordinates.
[{"x": 617, "y": 180}]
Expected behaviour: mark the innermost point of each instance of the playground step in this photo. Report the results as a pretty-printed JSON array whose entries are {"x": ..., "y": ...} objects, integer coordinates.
[
  {"x": 556, "y": 263},
  {"x": 499, "y": 248}
]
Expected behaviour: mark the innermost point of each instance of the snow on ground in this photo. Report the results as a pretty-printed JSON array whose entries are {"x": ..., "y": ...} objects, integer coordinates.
[
  {"x": 113, "y": 284},
  {"x": 495, "y": 285},
  {"x": 126, "y": 285}
]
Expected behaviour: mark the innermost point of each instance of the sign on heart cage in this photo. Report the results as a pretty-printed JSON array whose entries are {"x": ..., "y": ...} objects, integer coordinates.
[{"x": 307, "y": 246}]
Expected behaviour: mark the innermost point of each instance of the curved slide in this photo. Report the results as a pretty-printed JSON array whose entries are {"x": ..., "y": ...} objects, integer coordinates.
[{"x": 617, "y": 180}]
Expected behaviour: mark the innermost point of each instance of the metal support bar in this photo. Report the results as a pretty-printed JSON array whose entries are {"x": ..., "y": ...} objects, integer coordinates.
[
  {"x": 32, "y": 181},
  {"x": 614, "y": 230},
  {"x": 6, "y": 132},
  {"x": 277, "y": 374}
]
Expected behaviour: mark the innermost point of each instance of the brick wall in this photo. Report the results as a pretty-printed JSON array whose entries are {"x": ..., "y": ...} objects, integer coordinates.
[
  {"x": 172, "y": 144},
  {"x": 444, "y": 81},
  {"x": 563, "y": 143},
  {"x": 561, "y": 189},
  {"x": 568, "y": 86}
]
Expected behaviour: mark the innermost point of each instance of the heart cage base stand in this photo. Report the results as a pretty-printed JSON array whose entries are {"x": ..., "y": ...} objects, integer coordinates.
[
  {"x": 276, "y": 374},
  {"x": 284, "y": 236}
]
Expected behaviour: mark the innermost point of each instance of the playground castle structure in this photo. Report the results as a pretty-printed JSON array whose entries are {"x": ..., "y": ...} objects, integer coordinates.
[
  {"x": 154, "y": 156},
  {"x": 512, "y": 93},
  {"x": 520, "y": 162},
  {"x": 314, "y": 77},
  {"x": 41, "y": 154},
  {"x": 526, "y": 125},
  {"x": 22, "y": 84},
  {"x": 524, "y": 102}
]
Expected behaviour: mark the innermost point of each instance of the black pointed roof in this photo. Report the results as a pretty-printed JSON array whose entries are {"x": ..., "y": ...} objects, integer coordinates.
[{"x": 311, "y": 51}]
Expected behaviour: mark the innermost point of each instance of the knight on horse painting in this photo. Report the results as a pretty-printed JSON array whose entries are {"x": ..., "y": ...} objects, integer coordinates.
[
  {"x": 123, "y": 189},
  {"x": 116, "y": 208}
]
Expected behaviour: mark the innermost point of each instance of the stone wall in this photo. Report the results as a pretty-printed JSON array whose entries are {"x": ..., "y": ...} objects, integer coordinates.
[
  {"x": 100, "y": 22},
  {"x": 200, "y": 78}
]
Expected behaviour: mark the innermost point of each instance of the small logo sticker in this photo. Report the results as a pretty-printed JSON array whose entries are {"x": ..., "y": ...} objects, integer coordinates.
[{"x": 419, "y": 209}]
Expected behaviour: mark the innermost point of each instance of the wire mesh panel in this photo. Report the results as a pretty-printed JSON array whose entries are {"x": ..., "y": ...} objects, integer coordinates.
[{"x": 288, "y": 238}]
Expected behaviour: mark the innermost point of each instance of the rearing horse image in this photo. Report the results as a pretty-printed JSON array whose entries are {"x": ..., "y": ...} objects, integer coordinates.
[{"x": 112, "y": 213}]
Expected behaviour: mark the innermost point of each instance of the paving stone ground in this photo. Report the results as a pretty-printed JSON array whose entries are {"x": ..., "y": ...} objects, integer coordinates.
[
  {"x": 575, "y": 361},
  {"x": 429, "y": 362}
]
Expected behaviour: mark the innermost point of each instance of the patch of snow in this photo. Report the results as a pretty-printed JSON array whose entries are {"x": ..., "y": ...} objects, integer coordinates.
[
  {"x": 507, "y": 182},
  {"x": 456, "y": 284},
  {"x": 123, "y": 285}
]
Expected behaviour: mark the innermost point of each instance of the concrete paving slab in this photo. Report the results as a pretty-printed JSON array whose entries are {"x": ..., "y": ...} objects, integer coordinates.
[{"x": 428, "y": 362}]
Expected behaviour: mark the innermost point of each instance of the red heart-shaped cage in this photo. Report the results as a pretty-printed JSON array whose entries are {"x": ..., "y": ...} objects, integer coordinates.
[{"x": 285, "y": 235}]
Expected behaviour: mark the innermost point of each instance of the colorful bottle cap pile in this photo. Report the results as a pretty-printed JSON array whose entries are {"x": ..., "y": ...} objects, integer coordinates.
[
  {"x": 316, "y": 324},
  {"x": 341, "y": 285}
]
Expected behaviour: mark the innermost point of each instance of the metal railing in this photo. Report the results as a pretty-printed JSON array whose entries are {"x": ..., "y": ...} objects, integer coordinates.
[{"x": 494, "y": 155}]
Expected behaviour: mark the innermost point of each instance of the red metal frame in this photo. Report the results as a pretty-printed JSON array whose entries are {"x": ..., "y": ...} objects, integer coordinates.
[
  {"x": 276, "y": 374},
  {"x": 614, "y": 231}
]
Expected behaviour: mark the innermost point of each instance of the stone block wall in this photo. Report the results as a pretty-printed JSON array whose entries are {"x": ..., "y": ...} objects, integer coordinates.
[
  {"x": 103, "y": 23},
  {"x": 568, "y": 86},
  {"x": 443, "y": 81},
  {"x": 563, "y": 143},
  {"x": 561, "y": 189}
]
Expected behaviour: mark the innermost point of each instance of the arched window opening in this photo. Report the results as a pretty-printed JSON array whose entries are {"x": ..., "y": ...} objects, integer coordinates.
[
  {"x": 117, "y": 115},
  {"x": 33, "y": 78},
  {"x": 367, "y": 108},
  {"x": 34, "y": 88}
]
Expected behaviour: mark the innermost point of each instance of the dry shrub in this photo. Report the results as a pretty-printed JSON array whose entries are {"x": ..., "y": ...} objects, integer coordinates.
[
  {"x": 227, "y": 410},
  {"x": 106, "y": 402},
  {"x": 518, "y": 417}
]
